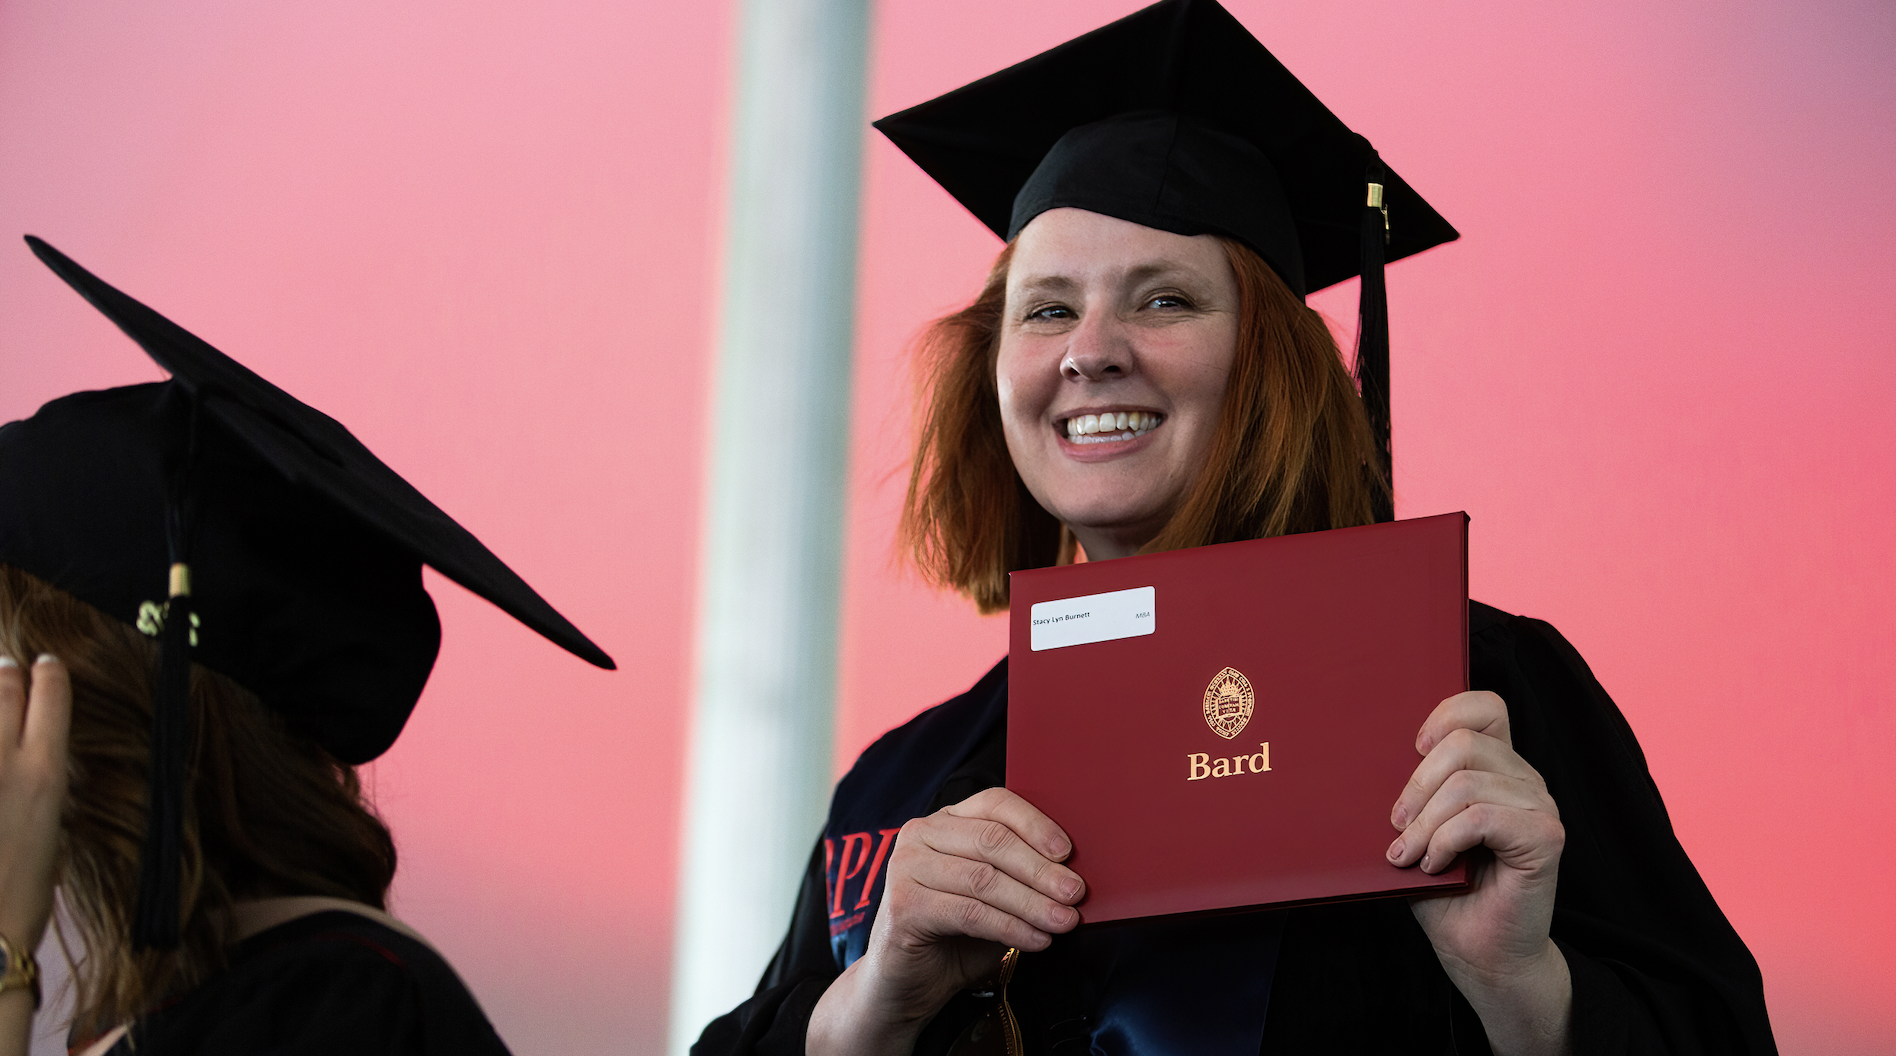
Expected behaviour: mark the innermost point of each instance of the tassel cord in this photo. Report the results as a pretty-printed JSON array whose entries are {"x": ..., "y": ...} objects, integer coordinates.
[
  {"x": 155, "y": 921},
  {"x": 1372, "y": 334},
  {"x": 156, "y": 924}
]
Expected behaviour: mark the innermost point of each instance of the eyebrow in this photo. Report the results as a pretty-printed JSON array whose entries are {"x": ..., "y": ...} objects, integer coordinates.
[
  {"x": 1047, "y": 284},
  {"x": 1142, "y": 273}
]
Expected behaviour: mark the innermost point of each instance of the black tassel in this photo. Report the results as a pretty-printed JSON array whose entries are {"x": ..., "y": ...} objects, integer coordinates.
[
  {"x": 1372, "y": 333},
  {"x": 155, "y": 922}
]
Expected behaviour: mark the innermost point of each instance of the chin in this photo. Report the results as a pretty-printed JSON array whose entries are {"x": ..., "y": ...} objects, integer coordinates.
[{"x": 1109, "y": 518}]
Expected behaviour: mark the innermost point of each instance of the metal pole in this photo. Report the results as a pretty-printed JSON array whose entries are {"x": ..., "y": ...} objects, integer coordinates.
[{"x": 767, "y": 632}]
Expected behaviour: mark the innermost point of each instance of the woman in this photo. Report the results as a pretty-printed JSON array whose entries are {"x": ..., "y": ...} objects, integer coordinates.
[
  {"x": 1139, "y": 374},
  {"x": 184, "y": 769}
]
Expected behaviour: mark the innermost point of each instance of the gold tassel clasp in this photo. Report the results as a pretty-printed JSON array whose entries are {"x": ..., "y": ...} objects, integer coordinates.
[
  {"x": 151, "y": 615},
  {"x": 1375, "y": 201}
]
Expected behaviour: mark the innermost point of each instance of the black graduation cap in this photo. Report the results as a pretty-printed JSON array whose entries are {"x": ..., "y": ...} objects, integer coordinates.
[
  {"x": 1175, "y": 117},
  {"x": 249, "y": 532}
]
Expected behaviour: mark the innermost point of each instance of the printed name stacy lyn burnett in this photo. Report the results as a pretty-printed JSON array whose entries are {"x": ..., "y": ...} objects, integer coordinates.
[{"x": 1066, "y": 616}]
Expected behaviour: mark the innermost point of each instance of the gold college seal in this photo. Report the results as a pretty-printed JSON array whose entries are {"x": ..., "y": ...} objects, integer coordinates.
[{"x": 1228, "y": 703}]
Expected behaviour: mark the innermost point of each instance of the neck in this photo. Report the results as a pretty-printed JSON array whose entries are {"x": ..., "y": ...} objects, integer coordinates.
[
  {"x": 254, "y": 916},
  {"x": 1102, "y": 544}
]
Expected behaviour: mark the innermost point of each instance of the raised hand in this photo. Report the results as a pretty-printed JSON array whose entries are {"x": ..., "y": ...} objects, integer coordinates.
[
  {"x": 33, "y": 733},
  {"x": 963, "y": 884},
  {"x": 1473, "y": 790}
]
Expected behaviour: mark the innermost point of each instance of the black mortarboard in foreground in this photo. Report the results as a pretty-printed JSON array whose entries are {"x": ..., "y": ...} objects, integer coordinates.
[
  {"x": 249, "y": 532},
  {"x": 1175, "y": 117}
]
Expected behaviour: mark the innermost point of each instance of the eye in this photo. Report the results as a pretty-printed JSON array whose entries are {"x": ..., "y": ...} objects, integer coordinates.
[
  {"x": 1049, "y": 312},
  {"x": 1169, "y": 301}
]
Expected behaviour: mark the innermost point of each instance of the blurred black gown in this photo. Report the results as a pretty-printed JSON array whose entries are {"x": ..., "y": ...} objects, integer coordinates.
[
  {"x": 1656, "y": 967},
  {"x": 330, "y": 982}
]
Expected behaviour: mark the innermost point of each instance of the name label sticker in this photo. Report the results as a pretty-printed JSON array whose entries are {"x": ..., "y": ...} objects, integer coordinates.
[{"x": 1094, "y": 618}]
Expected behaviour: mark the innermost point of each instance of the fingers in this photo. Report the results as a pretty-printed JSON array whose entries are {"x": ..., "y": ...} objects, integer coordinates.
[
  {"x": 1034, "y": 828},
  {"x": 984, "y": 868},
  {"x": 998, "y": 828},
  {"x": 1465, "y": 791},
  {"x": 42, "y": 721},
  {"x": 1472, "y": 789},
  {"x": 934, "y": 898},
  {"x": 1527, "y": 840},
  {"x": 976, "y": 849},
  {"x": 958, "y": 915},
  {"x": 1459, "y": 749},
  {"x": 1479, "y": 710},
  {"x": 49, "y": 713},
  {"x": 995, "y": 844},
  {"x": 33, "y": 729},
  {"x": 12, "y": 702},
  {"x": 974, "y": 862},
  {"x": 1470, "y": 785}
]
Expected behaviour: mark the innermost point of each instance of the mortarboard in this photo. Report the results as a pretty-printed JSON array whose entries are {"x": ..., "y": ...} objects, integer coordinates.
[
  {"x": 248, "y": 532},
  {"x": 1177, "y": 118}
]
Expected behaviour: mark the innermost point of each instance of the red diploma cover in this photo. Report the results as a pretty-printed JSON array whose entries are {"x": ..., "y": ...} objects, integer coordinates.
[{"x": 1228, "y": 726}]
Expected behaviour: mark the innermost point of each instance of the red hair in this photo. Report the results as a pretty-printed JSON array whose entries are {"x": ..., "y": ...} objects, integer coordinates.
[{"x": 1292, "y": 451}]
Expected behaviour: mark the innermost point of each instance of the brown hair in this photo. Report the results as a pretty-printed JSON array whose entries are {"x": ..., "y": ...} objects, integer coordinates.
[
  {"x": 1292, "y": 451},
  {"x": 267, "y": 813}
]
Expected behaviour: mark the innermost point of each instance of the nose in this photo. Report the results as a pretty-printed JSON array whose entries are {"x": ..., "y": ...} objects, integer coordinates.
[{"x": 1096, "y": 350}]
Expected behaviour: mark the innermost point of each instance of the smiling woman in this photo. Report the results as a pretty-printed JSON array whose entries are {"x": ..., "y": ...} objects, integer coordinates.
[
  {"x": 1254, "y": 426},
  {"x": 1106, "y": 318},
  {"x": 1178, "y": 207}
]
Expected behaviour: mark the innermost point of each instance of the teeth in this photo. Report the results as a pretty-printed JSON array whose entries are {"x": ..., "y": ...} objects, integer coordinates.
[{"x": 1106, "y": 428}]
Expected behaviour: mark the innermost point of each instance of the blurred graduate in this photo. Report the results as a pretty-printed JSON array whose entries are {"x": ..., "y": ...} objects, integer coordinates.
[{"x": 211, "y": 612}]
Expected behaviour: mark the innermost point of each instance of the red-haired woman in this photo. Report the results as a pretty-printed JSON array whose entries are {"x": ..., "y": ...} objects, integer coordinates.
[{"x": 1140, "y": 373}]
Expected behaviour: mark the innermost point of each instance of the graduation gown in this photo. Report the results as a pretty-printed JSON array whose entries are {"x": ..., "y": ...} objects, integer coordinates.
[
  {"x": 1656, "y": 967},
  {"x": 330, "y": 982}
]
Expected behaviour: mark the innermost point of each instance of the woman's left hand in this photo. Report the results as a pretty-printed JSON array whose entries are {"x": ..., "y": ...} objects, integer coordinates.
[{"x": 1473, "y": 790}]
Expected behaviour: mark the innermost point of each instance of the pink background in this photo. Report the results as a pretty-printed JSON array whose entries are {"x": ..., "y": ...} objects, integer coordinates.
[{"x": 1655, "y": 370}]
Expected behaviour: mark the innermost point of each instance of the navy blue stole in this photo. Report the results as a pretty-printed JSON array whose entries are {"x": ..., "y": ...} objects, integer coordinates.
[{"x": 1151, "y": 987}]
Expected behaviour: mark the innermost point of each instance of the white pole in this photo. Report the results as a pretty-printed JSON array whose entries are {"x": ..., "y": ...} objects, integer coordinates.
[{"x": 767, "y": 633}]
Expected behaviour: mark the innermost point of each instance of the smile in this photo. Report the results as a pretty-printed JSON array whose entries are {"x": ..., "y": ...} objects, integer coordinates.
[{"x": 1108, "y": 428}]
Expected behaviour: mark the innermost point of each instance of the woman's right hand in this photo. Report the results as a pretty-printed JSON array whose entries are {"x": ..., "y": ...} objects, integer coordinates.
[
  {"x": 963, "y": 884},
  {"x": 33, "y": 734}
]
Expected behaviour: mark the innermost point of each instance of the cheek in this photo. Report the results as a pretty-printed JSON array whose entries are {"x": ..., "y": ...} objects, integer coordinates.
[
  {"x": 1203, "y": 375},
  {"x": 1020, "y": 429},
  {"x": 1024, "y": 393}
]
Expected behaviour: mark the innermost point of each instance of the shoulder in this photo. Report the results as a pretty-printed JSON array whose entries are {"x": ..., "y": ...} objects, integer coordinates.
[
  {"x": 333, "y": 980},
  {"x": 1525, "y": 653},
  {"x": 895, "y": 778},
  {"x": 1483, "y": 618},
  {"x": 1562, "y": 718},
  {"x": 940, "y": 729},
  {"x": 1490, "y": 628}
]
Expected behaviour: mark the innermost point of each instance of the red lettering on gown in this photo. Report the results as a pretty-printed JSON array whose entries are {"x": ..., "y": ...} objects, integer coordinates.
[
  {"x": 858, "y": 842},
  {"x": 875, "y": 867}
]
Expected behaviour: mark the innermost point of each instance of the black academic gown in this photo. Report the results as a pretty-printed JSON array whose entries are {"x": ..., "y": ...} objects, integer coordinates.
[
  {"x": 331, "y": 982},
  {"x": 1656, "y": 967}
]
